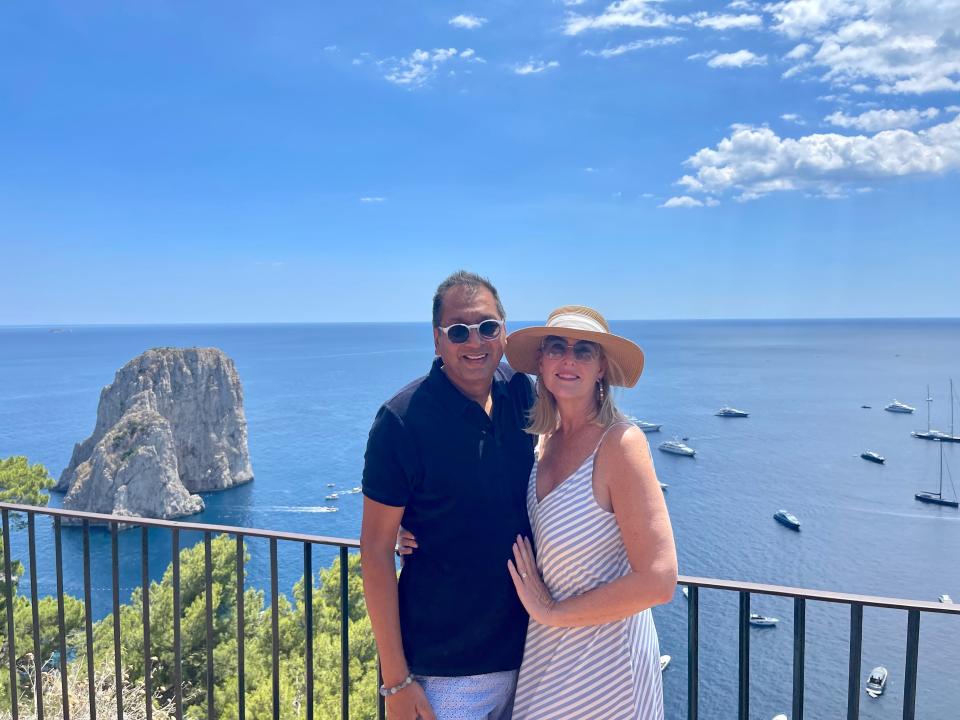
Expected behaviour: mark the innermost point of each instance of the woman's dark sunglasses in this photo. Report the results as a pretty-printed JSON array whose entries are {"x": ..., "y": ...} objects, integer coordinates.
[
  {"x": 459, "y": 333},
  {"x": 584, "y": 351}
]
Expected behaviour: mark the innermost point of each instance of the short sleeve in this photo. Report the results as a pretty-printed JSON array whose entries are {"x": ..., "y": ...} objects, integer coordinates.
[{"x": 388, "y": 463}]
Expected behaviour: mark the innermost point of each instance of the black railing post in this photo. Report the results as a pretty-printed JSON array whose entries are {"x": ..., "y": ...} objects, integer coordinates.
[
  {"x": 693, "y": 651},
  {"x": 145, "y": 607},
  {"x": 241, "y": 685},
  {"x": 308, "y": 621},
  {"x": 115, "y": 579},
  {"x": 275, "y": 627},
  {"x": 799, "y": 653},
  {"x": 853, "y": 673},
  {"x": 910, "y": 672},
  {"x": 88, "y": 620},
  {"x": 35, "y": 614},
  {"x": 62, "y": 636},
  {"x": 8, "y": 596},
  {"x": 177, "y": 652},
  {"x": 208, "y": 598},
  {"x": 344, "y": 637},
  {"x": 744, "y": 692}
]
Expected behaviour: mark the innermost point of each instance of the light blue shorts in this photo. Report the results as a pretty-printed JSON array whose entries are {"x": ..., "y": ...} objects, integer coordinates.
[{"x": 471, "y": 697}]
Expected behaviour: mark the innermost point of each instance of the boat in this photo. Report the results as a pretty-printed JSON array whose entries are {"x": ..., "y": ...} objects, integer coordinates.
[
  {"x": 664, "y": 486},
  {"x": 647, "y": 427},
  {"x": 898, "y": 407},
  {"x": 664, "y": 662},
  {"x": 865, "y": 407},
  {"x": 731, "y": 412},
  {"x": 950, "y": 437},
  {"x": 873, "y": 457},
  {"x": 677, "y": 448},
  {"x": 759, "y": 620},
  {"x": 787, "y": 519},
  {"x": 936, "y": 498},
  {"x": 781, "y": 716},
  {"x": 928, "y": 434},
  {"x": 331, "y": 496},
  {"x": 945, "y": 599},
  {"x": 877, "y": 681},
  {"x": 686, "y": 592}
]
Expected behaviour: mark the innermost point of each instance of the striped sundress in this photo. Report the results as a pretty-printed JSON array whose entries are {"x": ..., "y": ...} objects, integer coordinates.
[{"x": 609, "y": 671}]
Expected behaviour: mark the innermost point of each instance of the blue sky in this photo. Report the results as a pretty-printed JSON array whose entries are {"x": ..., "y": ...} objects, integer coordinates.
[{"x": 304, "y": 161}]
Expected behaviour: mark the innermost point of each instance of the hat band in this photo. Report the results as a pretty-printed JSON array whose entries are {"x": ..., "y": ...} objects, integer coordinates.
[{"x": 575, "y": 321}]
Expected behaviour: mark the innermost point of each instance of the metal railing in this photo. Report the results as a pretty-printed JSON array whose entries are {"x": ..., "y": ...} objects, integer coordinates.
[{"x": 744, "y": 589}]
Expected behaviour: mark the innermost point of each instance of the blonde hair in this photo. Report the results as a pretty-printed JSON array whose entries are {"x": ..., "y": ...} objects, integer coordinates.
[{"x": 544, "y": 418}]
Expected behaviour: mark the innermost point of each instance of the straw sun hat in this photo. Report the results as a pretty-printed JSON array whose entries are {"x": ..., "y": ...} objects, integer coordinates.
[{"x": 580, "y": 323}]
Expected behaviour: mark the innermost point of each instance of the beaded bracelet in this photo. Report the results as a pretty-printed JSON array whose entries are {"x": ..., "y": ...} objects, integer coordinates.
[{"x": 387, "y": 692}]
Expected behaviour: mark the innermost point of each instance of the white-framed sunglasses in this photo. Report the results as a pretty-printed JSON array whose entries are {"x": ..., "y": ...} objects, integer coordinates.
[{"x": 459, "y": 333}]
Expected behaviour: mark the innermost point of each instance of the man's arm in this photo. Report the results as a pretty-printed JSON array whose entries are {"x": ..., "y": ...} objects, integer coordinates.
[{"x": 378, "y": 536}]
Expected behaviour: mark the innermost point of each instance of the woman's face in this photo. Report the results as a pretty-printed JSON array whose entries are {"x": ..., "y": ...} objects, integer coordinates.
[{"x": 570, "y": 368}]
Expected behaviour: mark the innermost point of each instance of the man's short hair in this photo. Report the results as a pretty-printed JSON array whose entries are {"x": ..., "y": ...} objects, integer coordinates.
[{"x": 462, "y": 278}]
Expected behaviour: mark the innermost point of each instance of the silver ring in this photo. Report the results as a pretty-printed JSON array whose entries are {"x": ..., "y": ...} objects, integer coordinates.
[{"x": 523, "y": 575}]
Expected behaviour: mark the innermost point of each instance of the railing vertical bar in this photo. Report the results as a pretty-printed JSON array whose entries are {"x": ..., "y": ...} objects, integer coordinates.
[
  {"x": 381, "y": 700},
  {"x": 275, "y": 627},
  {"x": 177, "y": 660},
  {"x": 344, "y": 636},
  {"x": 241, "y": 689},
  {"x": 744, "y": 691},
  {"x": 88, "y": 621},
  {"x": 61, "y": 629},
  {"x": 8, "y": 596},
  {"x": 145, "y": 598},
  {"x": 910, "y": 674},
  {"x": 853, "y": 673},
  {"x": 35, "y": 614},
  {"x": 799, "y": 654},
  {"x": 208, "y": 592},
  {"x": 308, "y": 620},
  {"x": 693, "y": 652},
  {"x": 115, "y": 578}
]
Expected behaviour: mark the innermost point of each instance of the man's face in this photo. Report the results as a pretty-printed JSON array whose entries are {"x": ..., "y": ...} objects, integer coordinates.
[{"x": 472, "y": 363}]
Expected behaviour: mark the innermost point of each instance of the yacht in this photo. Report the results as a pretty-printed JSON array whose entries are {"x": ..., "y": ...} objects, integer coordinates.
[
  {"x": 781, "y": 716},
  {"x": 664, "y": 661},
  {"x": 331, "y": 496},
  {"x": 928, "y": 434},
  {"x": 677, "y": 448},
  {"x": 686, "y": 592},
  {"x": 945, "y": 599},
  {"x": 950, "y": 437},
  {"x": 787, "y": 519},
  {"x": 899, "y": 407},
  {"x": 647, "y": 427},
  {"x": 664, "y": 486},
  {"x": 731, "y": 412},
  {"x": 937, "y": 498},
  {"x": 877, "y": 681},
  {"x": 763, "y": 621},
  {"x": 873, "y": 457}
]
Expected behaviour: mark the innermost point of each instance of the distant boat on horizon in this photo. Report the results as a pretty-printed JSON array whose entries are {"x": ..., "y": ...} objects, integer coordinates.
[
  {"x": 873, "y": 457},
  {"x": 936, "y": 498},
  {"x": 676, "y": 447},
  {"x": 929, "y": 434},
  {"x": 898, "y": 407},
  {"x": 950, "y": 437},
  {"x": 647, "y": 427},
  {"x": 758, "y": 620},
  {"x": 731, "y": 412},
  {"x": 787, "y": 519}
]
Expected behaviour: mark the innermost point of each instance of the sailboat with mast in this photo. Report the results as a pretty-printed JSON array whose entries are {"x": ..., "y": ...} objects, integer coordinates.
[
  {"x": 936, "y": 498},
  {"x": 951, "y": 437},
  {"x": 929, "y": 434}
]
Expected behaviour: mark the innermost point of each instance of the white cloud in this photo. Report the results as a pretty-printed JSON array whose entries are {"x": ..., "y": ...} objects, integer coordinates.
[
  {"x": 682, "y": 201},
  {"x": 743, "y": 5},
  {"x": 799, "y": 52},
  {"x": 728, "y": 22},
  {"x": 755, "y": 161},
  {"x": 952, "y": 109},
  {"x": 468, "y": 22},
  {"x": 331, "y": 48},
  {"x": 372, "y": 199},
  {"x": 589, "y": 170},
  {"x": 622, "y": 13},
  {"x": 885, "y": 46},
  {"x": 532, "y": 67},
  {"x": 646, "y": 195},
  {"x": 738, "y": 59},
  {"x": 418, "y": 68},
  {"x": 885, "y": 119},
  {"x": 794, "y": 118},
  {"x": 633, "y": 46}
]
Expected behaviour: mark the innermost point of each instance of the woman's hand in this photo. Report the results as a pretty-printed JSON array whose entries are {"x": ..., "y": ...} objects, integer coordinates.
[
  {"x": 534, "y": 595},
  {"x": 406, "y": 543}
]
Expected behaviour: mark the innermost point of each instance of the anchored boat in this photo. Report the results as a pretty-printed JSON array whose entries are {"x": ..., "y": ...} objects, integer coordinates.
[{"x": 787, "y": 519}]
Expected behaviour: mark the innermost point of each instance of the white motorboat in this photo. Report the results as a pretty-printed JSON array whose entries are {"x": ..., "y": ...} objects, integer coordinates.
[
  {"x": 731, "y": 412},
  {"x": 945, "y": 599},
  {"x": 664, "y": 486},
  {"x": 331, "y": 496},
  {"x": 686, "y": 592},
  {"x": 677, "y": 448},
  {"x": 877, "y": 681},
  {"x": 788, "y": 519},
  {"x": 781, "y": 716},
  {"x": 647, "y": 427},
  {"x": 873, "y": 457},
  {"x": 898, "y": 407},
  {"x": 759, "y": 620},
  {"x": 664, "y": 661}
]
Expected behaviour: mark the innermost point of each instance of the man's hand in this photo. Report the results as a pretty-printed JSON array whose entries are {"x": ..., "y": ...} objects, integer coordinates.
[{"x": 409, "y": 704}]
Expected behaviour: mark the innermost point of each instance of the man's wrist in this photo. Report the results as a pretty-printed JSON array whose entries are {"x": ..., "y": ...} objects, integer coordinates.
[{"x": 390, "y": 690}]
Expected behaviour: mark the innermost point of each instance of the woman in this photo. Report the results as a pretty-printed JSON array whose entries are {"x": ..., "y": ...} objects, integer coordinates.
[{"x": 605, "y": 551}]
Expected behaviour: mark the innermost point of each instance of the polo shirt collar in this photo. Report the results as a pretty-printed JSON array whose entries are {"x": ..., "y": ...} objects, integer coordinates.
[{"x": 451, "y": 395}]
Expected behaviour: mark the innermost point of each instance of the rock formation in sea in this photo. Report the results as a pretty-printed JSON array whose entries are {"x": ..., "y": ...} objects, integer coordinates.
[{"x": 170, "y": 425}]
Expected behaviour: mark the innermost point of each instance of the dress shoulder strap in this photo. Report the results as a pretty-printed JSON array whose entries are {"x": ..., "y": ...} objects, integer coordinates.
[{"x": 605, "y": 432}]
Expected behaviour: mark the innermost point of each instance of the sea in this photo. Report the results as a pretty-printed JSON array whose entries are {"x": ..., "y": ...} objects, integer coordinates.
[{"x": 311, "y": 392}]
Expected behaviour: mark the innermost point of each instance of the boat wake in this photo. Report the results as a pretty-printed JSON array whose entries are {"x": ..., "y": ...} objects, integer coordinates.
[{"x": 300, "y": 508}]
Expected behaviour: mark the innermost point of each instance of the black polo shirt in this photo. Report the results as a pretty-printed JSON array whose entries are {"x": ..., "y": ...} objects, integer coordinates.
[{"x": 461, "y": 478}]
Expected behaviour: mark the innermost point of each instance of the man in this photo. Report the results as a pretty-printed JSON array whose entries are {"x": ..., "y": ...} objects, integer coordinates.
[{"x": 449, "y": 459}]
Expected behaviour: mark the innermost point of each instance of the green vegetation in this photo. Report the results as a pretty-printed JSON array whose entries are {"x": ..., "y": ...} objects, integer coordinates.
[{"x": 258, "y": 651}]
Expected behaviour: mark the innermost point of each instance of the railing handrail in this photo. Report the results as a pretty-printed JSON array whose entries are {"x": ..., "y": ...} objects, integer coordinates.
[
  {"x": 690, "y": 580},
  {"x": 107, "y": 519}
]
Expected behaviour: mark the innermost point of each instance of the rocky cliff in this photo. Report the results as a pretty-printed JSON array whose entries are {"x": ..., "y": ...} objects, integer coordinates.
[{"x": 171, "y": 424}]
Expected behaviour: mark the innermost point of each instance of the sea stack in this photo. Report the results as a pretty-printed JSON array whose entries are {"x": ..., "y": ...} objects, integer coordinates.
[{"x": 170, "y": 425}]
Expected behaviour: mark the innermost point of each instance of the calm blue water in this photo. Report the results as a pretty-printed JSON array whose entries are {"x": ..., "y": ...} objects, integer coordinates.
[{"x": 311, "y": 392}]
